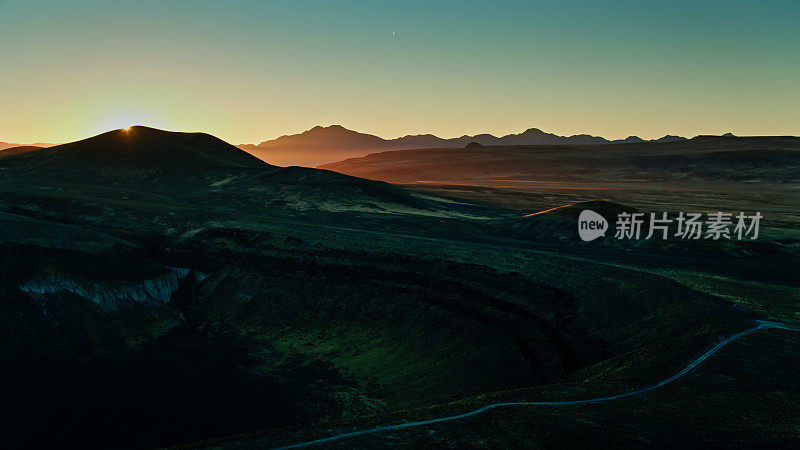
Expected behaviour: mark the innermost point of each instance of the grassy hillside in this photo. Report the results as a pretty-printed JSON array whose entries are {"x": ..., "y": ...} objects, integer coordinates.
[{"x": 187, "y": 300}]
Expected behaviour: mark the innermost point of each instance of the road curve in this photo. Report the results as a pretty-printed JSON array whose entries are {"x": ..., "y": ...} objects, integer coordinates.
[{"x": 761, "y": 325}]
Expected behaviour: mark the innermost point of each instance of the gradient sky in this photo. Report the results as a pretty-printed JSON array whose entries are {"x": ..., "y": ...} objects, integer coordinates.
[{"x": 248, "y": 71}]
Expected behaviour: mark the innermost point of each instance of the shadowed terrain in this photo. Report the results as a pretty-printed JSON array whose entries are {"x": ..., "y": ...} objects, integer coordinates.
[{"x": 164, "y": 288}]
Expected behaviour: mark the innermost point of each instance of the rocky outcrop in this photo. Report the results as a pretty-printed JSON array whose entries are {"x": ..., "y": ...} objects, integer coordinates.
[{"x": 108, "y": 294}]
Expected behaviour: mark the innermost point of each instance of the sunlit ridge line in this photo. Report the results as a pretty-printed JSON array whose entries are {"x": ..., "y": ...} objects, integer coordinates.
[{"x": 553, "y": 209}]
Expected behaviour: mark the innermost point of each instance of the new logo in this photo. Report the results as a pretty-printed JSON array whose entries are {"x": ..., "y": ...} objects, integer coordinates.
[{"x": 591, "y": 225}]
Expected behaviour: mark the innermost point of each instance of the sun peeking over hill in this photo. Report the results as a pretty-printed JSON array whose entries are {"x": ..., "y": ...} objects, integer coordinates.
[
  {"x": 363, "y": 224},
  {"x": 255, "y": 75}
]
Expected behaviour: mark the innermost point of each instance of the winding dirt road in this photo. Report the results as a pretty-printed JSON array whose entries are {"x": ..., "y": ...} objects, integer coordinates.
[{"x": 761, "y": 325}]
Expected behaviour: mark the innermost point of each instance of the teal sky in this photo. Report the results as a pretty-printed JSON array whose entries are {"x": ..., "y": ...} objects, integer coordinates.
[{"x": 248, "y": 71}]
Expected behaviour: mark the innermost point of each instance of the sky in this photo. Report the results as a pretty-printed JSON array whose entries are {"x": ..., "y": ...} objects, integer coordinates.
[{"x": 249, "y": 71}]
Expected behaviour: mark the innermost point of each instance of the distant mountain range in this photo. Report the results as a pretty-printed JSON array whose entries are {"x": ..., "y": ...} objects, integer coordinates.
[
  {"x": 5, "y": 145},
  {"x": 321, "y": 145}
]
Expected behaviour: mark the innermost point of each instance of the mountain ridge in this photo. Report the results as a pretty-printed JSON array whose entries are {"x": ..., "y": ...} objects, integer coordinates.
[
  {"x": 338, "y": 131},
  {"x": 321, "y": 145}
]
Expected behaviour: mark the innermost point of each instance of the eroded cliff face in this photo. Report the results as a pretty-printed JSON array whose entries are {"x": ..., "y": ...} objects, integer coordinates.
[{"x": 110, "y": 294}]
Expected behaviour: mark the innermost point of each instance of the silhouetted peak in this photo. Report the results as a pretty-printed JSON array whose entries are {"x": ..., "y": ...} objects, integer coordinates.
[
  {"x": 633, "y": 140},
  {"x": 330, "y": 129},
  {"x": 670, "y": 138},
  {"x": 140, "y": 146},
  {"x": 533, "y": 131}
]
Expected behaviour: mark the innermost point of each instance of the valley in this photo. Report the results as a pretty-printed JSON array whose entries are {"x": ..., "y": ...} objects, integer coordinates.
[{"x": 172, "y": 289}]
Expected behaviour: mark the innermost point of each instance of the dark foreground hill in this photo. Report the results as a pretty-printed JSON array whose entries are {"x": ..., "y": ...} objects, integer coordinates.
[
  {"x": 194, "y": 167},
  {"x": 135, "y": 155}
]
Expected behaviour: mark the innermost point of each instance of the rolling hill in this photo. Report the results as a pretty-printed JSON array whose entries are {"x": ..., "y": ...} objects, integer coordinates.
[
  {"x": 148, "y": 152},
  {"x": 710, "y": 158},
  {"x": 196, "y": 167}
]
